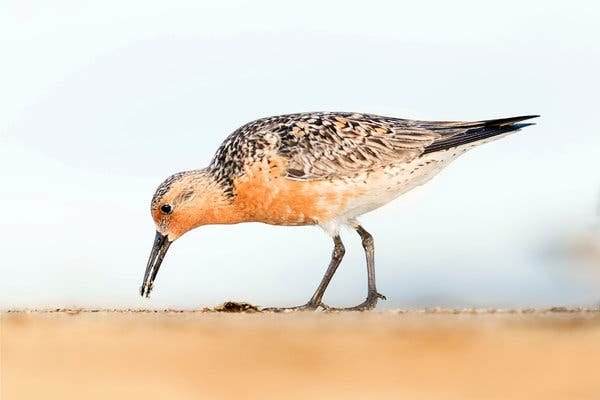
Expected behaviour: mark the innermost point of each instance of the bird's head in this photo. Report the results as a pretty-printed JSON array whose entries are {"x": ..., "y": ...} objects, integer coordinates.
[{"x": 184, "y": 201}]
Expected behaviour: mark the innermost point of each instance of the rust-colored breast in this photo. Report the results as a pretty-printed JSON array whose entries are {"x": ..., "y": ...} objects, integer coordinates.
[{"x": 264, "y": 194}]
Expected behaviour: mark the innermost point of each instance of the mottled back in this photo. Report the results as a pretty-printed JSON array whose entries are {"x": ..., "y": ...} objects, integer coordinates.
[{"x": 325, "y": 145}]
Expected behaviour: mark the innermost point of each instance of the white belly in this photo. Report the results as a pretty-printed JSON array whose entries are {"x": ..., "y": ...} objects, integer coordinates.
[
  {"x": 389, "y": 183},
  {"x": 380, "y": 187}
]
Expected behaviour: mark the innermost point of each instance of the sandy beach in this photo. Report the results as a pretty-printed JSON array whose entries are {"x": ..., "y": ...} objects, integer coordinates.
[{"x": 435, "y": 354}]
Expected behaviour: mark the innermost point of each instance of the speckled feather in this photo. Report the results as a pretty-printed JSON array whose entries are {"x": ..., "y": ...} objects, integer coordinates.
[{"x": 325, "y": 145}]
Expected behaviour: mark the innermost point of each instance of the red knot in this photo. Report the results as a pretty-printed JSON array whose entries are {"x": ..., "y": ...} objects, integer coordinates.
[{"x": 322, "y": 168}]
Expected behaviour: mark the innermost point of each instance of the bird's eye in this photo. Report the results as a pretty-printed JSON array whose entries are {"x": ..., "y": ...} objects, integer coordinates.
[{"x": 166, "y": 208}]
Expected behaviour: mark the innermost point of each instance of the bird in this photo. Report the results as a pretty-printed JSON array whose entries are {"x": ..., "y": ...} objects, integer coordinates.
[{"x": 313, "y": 168}]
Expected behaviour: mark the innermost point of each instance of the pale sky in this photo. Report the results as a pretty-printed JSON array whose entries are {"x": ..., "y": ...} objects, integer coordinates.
[{"x": 100, "y": 101}]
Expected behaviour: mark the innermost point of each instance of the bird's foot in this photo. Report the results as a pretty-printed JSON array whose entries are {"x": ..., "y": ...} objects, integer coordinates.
[
  {"x": 369, "y": 304},
  {"x": 310, "y": 306}
]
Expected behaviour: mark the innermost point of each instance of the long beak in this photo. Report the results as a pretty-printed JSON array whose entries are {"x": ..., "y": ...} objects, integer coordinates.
[{"x": 159, "y": 249}]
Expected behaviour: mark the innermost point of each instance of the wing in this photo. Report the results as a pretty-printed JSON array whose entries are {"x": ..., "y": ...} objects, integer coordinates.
[
  {"x": 321, "y": 146},
  {"x": 327, "y": 145}
]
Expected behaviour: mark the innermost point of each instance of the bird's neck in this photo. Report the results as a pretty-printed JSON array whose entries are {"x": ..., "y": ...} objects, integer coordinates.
[{"x": 210, "y": 204}]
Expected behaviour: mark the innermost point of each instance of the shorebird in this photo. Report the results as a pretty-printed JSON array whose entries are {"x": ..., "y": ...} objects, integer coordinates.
[{"x": 321, "y": 168}]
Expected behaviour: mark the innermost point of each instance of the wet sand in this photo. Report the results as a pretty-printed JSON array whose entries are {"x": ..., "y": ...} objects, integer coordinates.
[{"x": 382, "y": 355}]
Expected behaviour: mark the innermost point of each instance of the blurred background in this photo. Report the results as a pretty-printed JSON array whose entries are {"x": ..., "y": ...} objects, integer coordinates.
[{"x": 100, "y": 101}]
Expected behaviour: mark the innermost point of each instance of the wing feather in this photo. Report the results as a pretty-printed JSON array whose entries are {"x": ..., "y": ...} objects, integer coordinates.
[
  {"x": 344, "y": 144},
  {"x": 327, "y": 145}
]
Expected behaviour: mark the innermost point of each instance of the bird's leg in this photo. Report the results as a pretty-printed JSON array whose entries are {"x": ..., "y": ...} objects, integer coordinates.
[
  {"x": 372, "y": 294},
  {"x": 336, "y": 259},
  {"x": 315, "y": 300}
]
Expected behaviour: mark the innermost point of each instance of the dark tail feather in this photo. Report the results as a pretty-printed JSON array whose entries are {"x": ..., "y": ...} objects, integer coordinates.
[{"x": 476, "y": 131}]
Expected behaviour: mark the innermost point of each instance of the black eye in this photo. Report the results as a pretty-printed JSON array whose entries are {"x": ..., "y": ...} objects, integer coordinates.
[{"x": 166, "y": 208}]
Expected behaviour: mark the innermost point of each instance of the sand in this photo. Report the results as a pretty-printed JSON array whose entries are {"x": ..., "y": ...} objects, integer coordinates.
[{"x": 382, "y": 355}]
